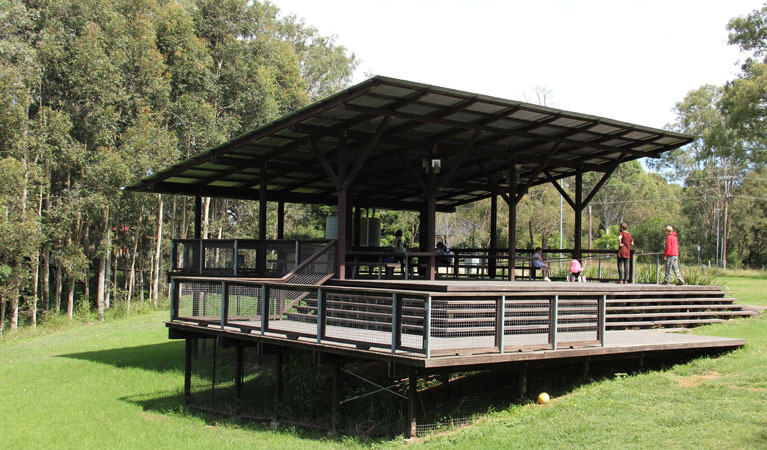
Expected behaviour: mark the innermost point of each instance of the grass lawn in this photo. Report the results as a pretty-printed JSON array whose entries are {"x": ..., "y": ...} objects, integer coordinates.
[
  {"x": 749, "y": 287},
  {"x": 119, "y": 385}
]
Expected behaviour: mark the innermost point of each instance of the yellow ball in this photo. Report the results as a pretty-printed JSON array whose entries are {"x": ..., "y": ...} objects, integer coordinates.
[{"x": 543, "y": 398}]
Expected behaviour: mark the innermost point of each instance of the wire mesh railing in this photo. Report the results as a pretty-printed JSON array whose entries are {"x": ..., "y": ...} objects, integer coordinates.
[
  {"x": 241, "y": 257},
  {"x": 399, "y": 322}
]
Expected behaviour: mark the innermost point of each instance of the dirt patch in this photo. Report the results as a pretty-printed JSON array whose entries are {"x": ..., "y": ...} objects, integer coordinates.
[
  {"x": 750, "y": 389},
  {"x": 695, "y": 380}
]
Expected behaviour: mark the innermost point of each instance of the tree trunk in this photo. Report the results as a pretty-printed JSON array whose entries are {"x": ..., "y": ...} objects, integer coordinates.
[
  {"x": 107, "y": 289},
  {"x": 46, "y": 288},
  {"x": 35, "y": 289},
  {"x": 15, "y": 310},
  {"x": 132, "y": 274},
  {"x": 71, "y": 298},
  {"x": 205, "y": 217},
  {"x": 724, "y": 233},
  {"x": 2, "y": 316},
  {"x": 59, "y": 287},
  {"x": 101, "y": 280},
  {"x": 157, "y": 254}
]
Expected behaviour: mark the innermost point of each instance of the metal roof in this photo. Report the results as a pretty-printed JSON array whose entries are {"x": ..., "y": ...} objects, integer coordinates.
[{"x": 386, "y": 130}]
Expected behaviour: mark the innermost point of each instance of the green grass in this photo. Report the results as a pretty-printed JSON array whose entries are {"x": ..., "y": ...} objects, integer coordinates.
[
  {"x": 119, "y": 385},
  {"x": 750, "y": 287}
]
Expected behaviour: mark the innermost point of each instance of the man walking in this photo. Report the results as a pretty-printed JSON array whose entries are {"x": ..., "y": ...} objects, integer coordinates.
[{"x": 672, "y": 257}]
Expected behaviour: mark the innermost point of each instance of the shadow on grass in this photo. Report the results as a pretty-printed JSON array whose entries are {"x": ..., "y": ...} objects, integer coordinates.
[
  {"x": 168, "y": 356},
  {"x": 172, "y": 404}
]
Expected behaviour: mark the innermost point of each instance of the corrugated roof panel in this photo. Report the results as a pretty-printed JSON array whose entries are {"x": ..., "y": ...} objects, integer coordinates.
[
  {"x": 222, "y": 183},
  {"x": 419, "y": 109},
  {"x": 487, "y": 108},
  {"x": 392, "y": 91},
  {"x": 529, "y": 116},
  {"x": 442, "y": 100},
  {"x": 569, "y": 123},
  {"x": 181, "y": 180},
  {"x": 639, "y": 135},
  {"x": 605, "y": 129}
]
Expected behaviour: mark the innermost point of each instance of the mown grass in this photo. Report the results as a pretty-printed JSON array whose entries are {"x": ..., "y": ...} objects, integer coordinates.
[
  {"x": 749, "y": 286},
  {"x": 119, "y": 385}
]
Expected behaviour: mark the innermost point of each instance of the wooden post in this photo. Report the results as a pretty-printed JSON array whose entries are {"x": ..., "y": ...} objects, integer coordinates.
[
  {"x": 336, "y": 400},
  {"x": 578, "y": 213},
  {"x": 321, "y": 315},
  {"x": 277, "y": 388},
  {"x": 224, "y": 303},
  {"x": 341, "y": 243},
  {"x": 238, "y": 380},
  {"x": 264, "y": 308},
  {"x": 262, "y": 203},
  {"x": 491, "y": 262},
  {"x": 500, "y": 323},
  {"x": 197, "y": 217},
  {"x": 553, "y": 319},
  {"x": 188, "y": 372},
  {"x": 396, "y": 322},
  {"x": 356, "y": 232},
  {"x": 522, "y": 388},
  {"x": 281, "y": 219},
  {"x": 412, "y": 395},
  {"x": 512, "y": 218}
]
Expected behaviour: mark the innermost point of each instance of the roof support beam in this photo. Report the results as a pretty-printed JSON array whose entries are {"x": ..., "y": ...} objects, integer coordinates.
[
  {"x": 562, "y": 192},
  {"x": 489, "y": 129},
  {"x": 602, "y": 181}
]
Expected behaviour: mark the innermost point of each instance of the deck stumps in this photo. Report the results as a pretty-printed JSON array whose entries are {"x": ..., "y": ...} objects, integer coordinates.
[
  {"x": 188, "y": 372},
  {"x": 336, "y": 400},
  {"x": 411, "y": 430}
]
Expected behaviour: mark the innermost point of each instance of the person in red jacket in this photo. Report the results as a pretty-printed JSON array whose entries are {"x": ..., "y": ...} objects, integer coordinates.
[{"x": 672, "y": 257}]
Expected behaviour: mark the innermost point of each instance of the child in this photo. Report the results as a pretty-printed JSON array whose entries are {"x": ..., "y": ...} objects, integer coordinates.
[{"x": 575, "y": 271}]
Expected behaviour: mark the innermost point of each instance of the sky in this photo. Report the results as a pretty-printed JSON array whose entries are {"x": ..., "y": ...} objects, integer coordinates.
[{"x": 625, "y": 60}]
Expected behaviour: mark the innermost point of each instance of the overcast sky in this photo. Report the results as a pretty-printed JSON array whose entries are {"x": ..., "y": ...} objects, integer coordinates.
[{"x": 626, "y": 60}]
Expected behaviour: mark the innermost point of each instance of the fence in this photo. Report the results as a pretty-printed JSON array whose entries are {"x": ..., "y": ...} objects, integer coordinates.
[
  {"x": 255, "y": 258},
  {"x": 424, "y": 323}
]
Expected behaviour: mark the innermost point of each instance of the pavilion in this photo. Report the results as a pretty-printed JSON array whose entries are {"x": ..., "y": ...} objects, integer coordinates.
[{"x": 394, "y": 144}]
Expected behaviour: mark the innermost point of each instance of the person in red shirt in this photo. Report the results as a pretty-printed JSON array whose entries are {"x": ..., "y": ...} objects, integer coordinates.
[
  {"x": 625, "y": 242},
  {"x": 672, "y": 257}
]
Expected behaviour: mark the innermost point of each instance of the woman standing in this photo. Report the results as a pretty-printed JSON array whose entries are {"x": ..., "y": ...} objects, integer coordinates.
[{"x": 625, "y": 242}]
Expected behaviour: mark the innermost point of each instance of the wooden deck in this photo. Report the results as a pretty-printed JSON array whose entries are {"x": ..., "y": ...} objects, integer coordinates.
[
  {"x": 455, "y": 323},
  {"x": 618, "y": 344}
]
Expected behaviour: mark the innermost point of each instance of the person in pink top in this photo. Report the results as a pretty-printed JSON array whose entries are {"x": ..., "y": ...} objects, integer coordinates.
[
  {"x": 672, "y": 257},
  {"x": 576, "y": 269}
]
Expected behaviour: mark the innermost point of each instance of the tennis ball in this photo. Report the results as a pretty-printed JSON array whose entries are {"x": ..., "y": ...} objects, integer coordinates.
[{"x": 543, "y": 398}]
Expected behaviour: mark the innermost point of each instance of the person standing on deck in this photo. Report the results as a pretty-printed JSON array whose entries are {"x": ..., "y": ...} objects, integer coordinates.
[
  {"x": 672, "y": 257},
  {"x": 625, "y": 242}
]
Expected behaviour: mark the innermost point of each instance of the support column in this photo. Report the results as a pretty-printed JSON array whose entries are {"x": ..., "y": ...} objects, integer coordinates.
[
  {"x": 357, "y": 225},
  {"x": 188, "y": 372},
  {"x": 262, "y": 203},
  {"x": 491, "y": 263},
  {"x": 281, "y": 219},
  {"x": 197, "y": 217},
  {"x": 238, "y": 379},
  {"x": 341, "y": 243},
  {"x": 578, "y": 214},
  {"x": 335, "y": 417},
  {"x": 512, "y": 218},
  {"x": 278, "y": 388},
  {"x": 411, "y": 397},
  {"x": 431, "y": 219}
]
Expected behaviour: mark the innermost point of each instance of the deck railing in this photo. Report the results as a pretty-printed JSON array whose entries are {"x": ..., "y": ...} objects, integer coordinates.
[
  {"x": 400, "y": 322},
  {"x": 254, "y": 257},
  {"x": 477, "y": 263}
]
